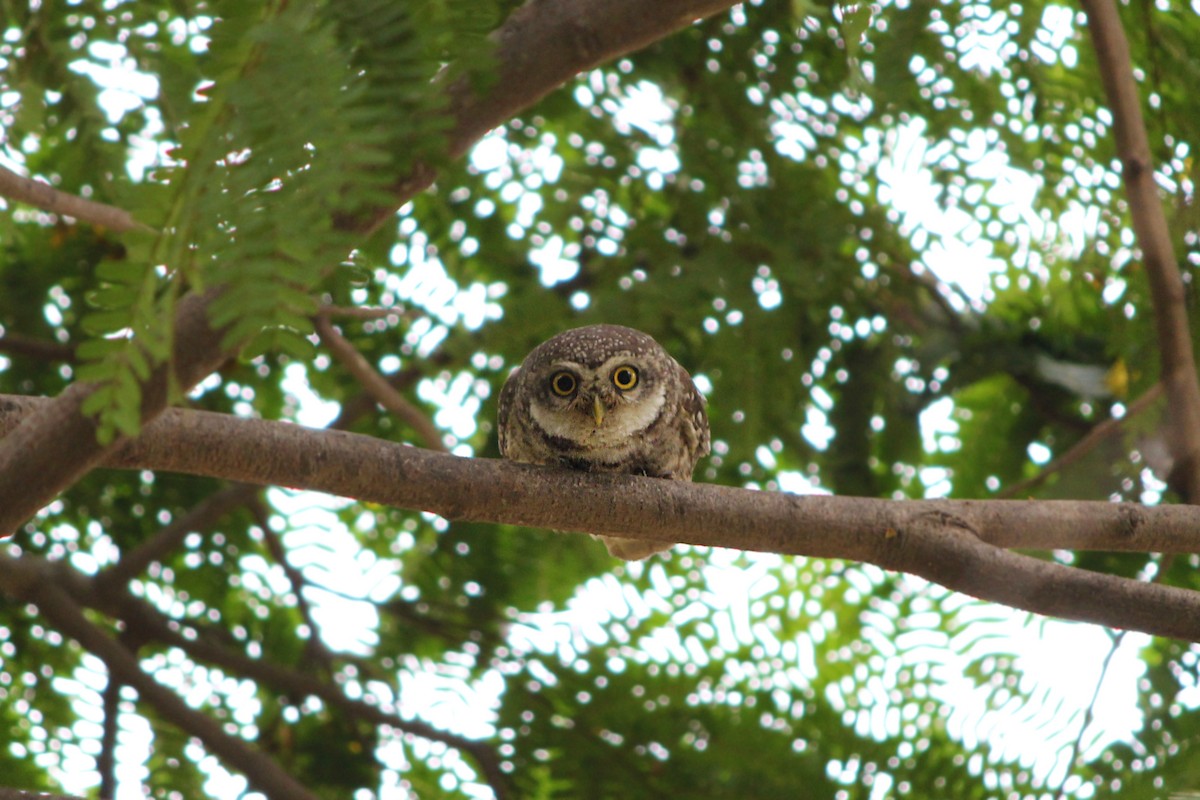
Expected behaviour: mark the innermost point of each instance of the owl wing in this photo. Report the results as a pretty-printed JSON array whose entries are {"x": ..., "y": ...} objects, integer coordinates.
[
  {"x": 508, "y": 397},
  {"x": 692, "y": 410},
  {"x": 691, "y": 426}
]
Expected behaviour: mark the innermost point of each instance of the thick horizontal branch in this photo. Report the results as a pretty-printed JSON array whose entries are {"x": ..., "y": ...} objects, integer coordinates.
[{"x": 957, "y": 543}]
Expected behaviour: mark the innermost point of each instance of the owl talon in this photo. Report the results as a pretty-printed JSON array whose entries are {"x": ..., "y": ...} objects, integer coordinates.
[{"x": 632, "y": 549}]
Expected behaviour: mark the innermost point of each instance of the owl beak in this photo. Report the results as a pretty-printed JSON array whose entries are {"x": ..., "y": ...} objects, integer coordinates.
[{"x": 598, "y": 411}]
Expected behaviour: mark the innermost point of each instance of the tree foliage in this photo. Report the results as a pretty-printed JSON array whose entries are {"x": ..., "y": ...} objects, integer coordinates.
[{"x": 889, "y": 240}]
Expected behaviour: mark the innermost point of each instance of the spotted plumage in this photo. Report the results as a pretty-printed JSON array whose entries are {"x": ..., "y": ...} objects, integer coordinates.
[{"x": 605, "y": 398}]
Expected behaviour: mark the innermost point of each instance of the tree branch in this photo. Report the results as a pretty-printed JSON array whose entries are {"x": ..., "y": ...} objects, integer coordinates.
[
  {"x": 539, "y": 47},
  {"x": 366, "y": 312},
  {"x": 57, "y": 446},
  {"x": 168, "y": 539},
  {"x": 23, "y": 578},
  {"x": 376, "y": 385},
  {"x": 44, "y": 196},
  {"x": 1153, "y": 237},
  {"x": 19, "y": 794},
  {"x": 1090, "y": 440},
  {"x": 61, "y": 611},
  {"x": 16, "y": 344},
  {"x": 106, "y": 761},
  {"x": 314, "y": 644},
  {"x": 956, "y": 543}
]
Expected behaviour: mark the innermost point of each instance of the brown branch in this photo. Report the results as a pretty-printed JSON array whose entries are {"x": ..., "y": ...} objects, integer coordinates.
[
  {"x": 43, "y": 588},
  {"x": 46, "y": 197},
  {"x": 168, "y": 539},
  {"x": 539, "y": 47},
  {"x": 315, "y": 645},
  {"x": 106, "y": 761},
  {"x": 1090, "y": 440},
  {"x": 57, "y": 446},
  {"x": 22, "y": 577},
  {"x": 956, "y": 543},
  {"x": 376, "y": 385},
  {"x": 1154, "y": 239},
  {"x": 16, "y": 344},
  {"x": 364, "y": 312},
  {"x": 19, "y": 794}
]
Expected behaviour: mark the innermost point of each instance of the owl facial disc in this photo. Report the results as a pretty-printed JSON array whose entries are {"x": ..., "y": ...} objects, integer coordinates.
[{"x": 597, "y": 414}]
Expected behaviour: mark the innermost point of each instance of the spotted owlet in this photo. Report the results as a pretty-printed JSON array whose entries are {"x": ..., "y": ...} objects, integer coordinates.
[{"x": 605, "y": 398}]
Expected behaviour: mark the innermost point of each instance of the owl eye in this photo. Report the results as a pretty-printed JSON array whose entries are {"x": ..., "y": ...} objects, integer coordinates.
[
  {"x": 563, "y": 384},
  {"x": 625, "y": 378}
]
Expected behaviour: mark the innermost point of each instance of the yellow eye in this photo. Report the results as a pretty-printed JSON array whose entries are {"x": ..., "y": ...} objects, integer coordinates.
[
  {"x": 563, "y": 384},
  {"x": 625, "y": 378}
]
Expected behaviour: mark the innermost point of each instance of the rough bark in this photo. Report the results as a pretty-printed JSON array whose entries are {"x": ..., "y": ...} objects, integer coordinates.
[{"x": 960, "y": 544}]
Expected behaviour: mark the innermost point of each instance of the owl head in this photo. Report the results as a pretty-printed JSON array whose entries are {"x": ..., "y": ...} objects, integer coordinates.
[{"x": 596, "y": 386}]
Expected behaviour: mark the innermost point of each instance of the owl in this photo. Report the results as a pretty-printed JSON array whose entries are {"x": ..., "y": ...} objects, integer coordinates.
[{"x": 605, "y": 398}]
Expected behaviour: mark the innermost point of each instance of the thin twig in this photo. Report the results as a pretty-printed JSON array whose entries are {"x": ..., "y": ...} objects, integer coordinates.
[
  {"x": 47, "y": 198},
  {"x": 377, "y": 386},
  {"x": 168, "y": 539},
  {"x": 1089, "y": 713},
  {"x": 364, "y": 312},
  {"x": 1094, "y": 437},
  {"x": 106, "y": 761},
  {"x": 315, "y": 644}
]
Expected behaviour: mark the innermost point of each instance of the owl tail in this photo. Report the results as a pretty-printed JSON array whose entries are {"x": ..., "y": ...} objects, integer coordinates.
[{"x": 632, "y": 549}]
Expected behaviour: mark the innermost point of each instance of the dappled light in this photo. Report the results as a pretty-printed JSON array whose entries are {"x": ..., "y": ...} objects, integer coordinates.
[{"x": 911, "y": 252}]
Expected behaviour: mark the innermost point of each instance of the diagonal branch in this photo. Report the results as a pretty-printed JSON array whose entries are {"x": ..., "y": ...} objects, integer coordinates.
[
  {"x": 376, "y": 385},
  {"x": 957, "y": 543},
  {"x": 61, "y": 611},
  {"x": 1089, "y": 442},
  {"x": 315, "y": 644},
  {"x": 539, "y": 47},
  {"x": 46, "y": 197},
  {"x": 1153, "y": 237},
  {"x": 57, "y": 446},
  {"x": 25, "y": 577},
  {"x": 170, "y": 537}
]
